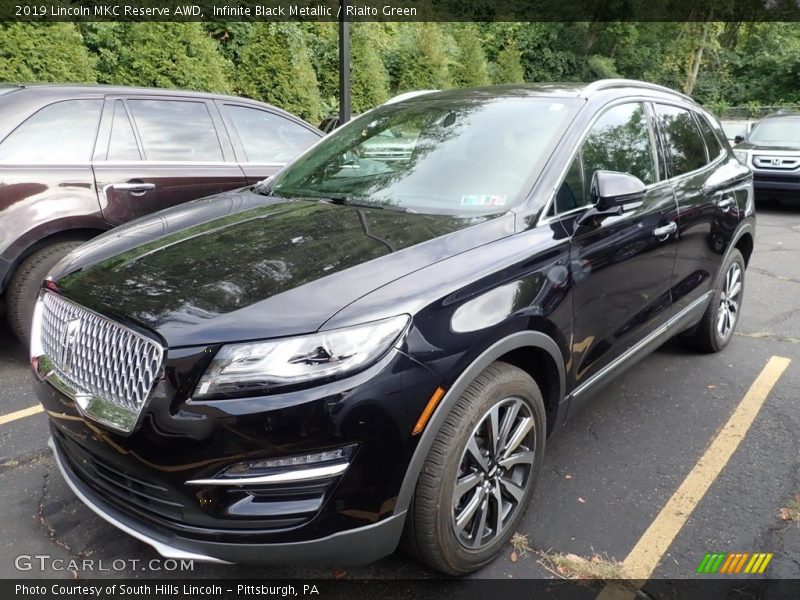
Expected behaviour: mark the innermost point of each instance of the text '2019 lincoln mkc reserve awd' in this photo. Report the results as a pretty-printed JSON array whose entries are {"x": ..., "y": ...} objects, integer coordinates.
[{"x": 374, "y": 344}]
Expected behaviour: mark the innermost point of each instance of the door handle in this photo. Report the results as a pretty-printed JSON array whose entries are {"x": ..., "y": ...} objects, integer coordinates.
[
  {"x": 726, "y": 203},
  {"x": 663, "y": 232},
  {"x": 135, "y": 189}
]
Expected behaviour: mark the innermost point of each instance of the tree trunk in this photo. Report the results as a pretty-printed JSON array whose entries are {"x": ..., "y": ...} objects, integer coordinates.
[{"x": 696, "y": 60}]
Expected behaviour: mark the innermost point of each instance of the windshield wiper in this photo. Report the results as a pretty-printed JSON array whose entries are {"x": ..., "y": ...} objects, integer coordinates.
[{"x": 348, "y": 201}]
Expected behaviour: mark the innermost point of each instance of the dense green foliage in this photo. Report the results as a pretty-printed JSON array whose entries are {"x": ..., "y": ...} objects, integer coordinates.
[
  {"x": 295, "y": 65},
  {"x": 46, "y": 52}
]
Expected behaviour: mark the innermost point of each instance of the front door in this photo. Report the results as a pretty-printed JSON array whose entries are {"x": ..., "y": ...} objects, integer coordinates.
[{"x": 621, "y": 264}]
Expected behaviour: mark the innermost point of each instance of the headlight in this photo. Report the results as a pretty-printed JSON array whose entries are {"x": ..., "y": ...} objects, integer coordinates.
[
  {"x": 251, "y": 368},
  {"x": 741, "y": 155}
]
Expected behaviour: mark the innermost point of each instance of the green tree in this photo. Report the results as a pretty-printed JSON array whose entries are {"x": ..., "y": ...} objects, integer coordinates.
[
  {"x": 420, "y": 59},
  {"x": 369, "y": 79},
  {"x": 179, "y": 55},
  {"x": 52, "y": 52},
  {"x": 470, "y": 68},
  {"x": 508, "y": 68},
  {"x": 275, "y": 67}
]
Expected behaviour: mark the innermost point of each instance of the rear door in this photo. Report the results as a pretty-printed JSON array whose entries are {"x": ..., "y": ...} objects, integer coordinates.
[
  {"x": 156, "y": 152},
  {"x": 706, "y": 185},
  {"x": 264, "y": 140},
  {"x": 621, "y": 265}
]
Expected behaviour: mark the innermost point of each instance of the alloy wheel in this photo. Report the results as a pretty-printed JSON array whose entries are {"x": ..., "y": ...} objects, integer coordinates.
[
  {"x": 494, "y": 473},
  {"x": 728, "y": 312}
]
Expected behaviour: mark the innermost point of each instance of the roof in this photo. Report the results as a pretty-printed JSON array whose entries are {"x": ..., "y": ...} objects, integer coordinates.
[
  {"x": 95, "y": 89},
  {"x": 552, "y": 89}
]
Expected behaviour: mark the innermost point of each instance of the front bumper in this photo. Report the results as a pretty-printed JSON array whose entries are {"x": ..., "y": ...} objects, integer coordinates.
[
  {"x": 775, "y": 182},
  {"x": 348, "y": 548}
]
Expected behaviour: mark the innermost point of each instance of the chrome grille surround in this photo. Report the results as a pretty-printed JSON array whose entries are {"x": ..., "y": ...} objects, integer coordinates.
[
  {"x": 106, "y": 368},
  {"x": 776, "y": 162}
]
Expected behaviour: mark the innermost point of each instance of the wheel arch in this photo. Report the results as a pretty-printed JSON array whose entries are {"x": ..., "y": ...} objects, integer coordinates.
[
  {"x": 62, "y": 235},
  {"x": 534, "y": 352}
]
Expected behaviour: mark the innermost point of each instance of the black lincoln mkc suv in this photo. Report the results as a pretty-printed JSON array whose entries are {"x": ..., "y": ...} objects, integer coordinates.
[{"x": 374, "y": 344}]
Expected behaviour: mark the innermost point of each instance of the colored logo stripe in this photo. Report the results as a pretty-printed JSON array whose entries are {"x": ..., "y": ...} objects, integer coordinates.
[{"x": 734, "y": 563}]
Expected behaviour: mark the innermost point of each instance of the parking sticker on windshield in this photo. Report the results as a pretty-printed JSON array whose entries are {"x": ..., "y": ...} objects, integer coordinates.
[{"x": 483, "y": 200}]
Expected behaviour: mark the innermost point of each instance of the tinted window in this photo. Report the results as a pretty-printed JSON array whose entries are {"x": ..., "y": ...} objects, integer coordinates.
[
  {"x": 712, "y": 142},
  {"x": 268, "y": 137},
  {"x": 684, "y": 146},
  {"x": 572, "y": 193},
  {"x": 176, "y": 130},
  {"x": 122, "y": 145},
  {"x": 62, "y": 133},
  {"x": 620, "y": 141}
]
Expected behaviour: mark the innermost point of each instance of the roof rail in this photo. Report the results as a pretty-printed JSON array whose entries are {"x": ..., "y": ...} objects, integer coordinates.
[
  {"x": 409, "y": 95},
  {"x": 606, "y": 84}
]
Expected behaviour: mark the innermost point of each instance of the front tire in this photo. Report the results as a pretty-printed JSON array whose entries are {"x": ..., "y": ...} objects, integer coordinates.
[
  {"x": 480, "y": 472},
  {"x": 722, "y": 315},
  {"x": 23, "y": 288}
]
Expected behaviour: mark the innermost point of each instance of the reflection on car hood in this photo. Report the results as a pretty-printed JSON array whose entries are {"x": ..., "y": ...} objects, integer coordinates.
[{"x": 243, "y": 266}]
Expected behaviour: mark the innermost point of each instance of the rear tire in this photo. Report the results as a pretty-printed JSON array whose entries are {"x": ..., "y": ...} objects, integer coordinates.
[
  {"x": 25, "y": 283},
  {"x": 719, "y": 322},
  {"x": 465, "y": 471}
]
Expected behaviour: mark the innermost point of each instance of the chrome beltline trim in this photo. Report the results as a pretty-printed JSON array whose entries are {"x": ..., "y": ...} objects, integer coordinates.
[
  {"x": 634, "y": 349},
  {"x": 163, "y": 549},
  {"x": 288, "y": 476}
]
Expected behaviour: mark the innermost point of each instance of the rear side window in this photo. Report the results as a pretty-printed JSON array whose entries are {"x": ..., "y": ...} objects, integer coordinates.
[
  {"x": 711, "y": 139},
  {"x": 122, "y": 145},
  {"x": 176, "y": 130},
  {"x": 684, "y": 145},
  {"x": 61, "y": 133},
  {"x": 268, "y": 137}
]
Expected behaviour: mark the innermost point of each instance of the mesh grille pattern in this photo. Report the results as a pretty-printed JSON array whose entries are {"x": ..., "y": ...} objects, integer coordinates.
[{"x": 97, "y": 356}]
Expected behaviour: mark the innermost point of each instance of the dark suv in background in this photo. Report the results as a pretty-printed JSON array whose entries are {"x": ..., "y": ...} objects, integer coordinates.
[
  {"x": 78, "y": 160},
  {"x": 376, "y": 345}
]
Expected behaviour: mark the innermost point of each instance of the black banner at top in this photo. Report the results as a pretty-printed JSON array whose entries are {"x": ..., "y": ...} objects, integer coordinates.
[{"x": 399, "y": 10}]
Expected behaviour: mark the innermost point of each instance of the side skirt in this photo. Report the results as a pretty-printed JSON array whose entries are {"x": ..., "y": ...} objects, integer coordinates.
[{"x": 687, "y": 318}]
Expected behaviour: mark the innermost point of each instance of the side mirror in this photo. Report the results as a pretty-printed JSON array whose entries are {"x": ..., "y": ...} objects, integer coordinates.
[
  {"x": 612, "y": 188},
  {"x": 738, "y": 139},
  {"x": 609, "y": 191}
]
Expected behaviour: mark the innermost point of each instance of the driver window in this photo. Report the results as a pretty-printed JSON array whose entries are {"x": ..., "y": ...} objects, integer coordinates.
[{"x": 618, "y": 141}]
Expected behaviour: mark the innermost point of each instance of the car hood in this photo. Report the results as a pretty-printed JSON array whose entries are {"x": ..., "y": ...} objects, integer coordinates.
[
  {"x": 242, "y": 266},
  {"x": 781, "y": 147}
]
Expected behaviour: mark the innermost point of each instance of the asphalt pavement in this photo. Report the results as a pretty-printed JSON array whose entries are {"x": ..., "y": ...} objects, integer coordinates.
[{"x": 607, "y": 477}]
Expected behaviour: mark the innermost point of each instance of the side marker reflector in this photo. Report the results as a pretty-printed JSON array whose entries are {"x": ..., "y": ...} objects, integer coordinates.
[{"x": 438, "y": 394}]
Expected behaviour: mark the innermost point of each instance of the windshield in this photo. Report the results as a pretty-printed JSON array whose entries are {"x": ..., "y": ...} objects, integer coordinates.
[
  {"x": 734, "y": 128},
  {"x": 451, "y": 156},
  {"x": 785, "y": 130}
]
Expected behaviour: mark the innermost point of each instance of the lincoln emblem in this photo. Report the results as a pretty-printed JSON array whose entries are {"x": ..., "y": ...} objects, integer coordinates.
[{"x": 68, "y": 345}]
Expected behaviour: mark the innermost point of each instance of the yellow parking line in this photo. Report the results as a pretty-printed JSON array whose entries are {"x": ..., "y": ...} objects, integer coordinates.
[
  {"x": 645, "y": 555},
  {"x": 20, "y": 414}
]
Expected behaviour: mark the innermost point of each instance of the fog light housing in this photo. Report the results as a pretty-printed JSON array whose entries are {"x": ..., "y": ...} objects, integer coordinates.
[
  {"x": 273, "y": 465},
  {"x": 298, "y": 468}
]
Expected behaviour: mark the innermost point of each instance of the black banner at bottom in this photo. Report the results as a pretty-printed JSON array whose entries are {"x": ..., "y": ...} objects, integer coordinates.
[{"x": 400, "y": 589}]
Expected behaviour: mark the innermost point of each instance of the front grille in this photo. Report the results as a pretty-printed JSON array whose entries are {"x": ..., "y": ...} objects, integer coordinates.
[
  {"x": 776, "y": 162},
  {"x": 101, "y": 361}
]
